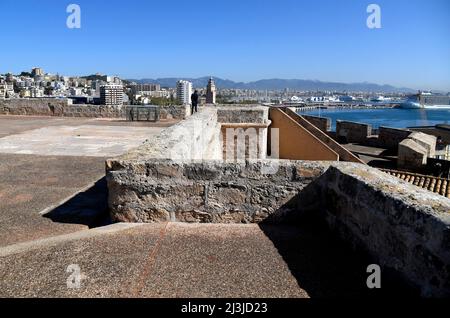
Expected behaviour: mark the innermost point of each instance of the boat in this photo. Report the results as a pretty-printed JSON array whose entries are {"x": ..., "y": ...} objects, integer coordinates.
[{"x": 427, "y": 100}]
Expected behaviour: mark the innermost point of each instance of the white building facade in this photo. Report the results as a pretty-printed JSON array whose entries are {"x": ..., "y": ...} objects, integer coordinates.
[{"x": 184, "y": 92}]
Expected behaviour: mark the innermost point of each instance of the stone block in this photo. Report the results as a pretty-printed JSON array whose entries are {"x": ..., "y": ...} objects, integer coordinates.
[
  {"x": 411, "y": 155},
  {"x": 426, "y": 141}
]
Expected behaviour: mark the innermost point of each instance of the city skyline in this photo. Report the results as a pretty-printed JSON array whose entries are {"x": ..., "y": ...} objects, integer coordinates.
[{"x": 244, "y": 42}]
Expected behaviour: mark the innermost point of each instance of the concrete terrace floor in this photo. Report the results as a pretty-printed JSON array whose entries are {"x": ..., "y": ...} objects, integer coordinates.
[
  {"x": 45, "y": 160},
  {"x": 52, "y": 215}
]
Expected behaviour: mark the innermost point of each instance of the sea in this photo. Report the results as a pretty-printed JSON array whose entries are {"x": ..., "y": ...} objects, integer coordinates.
[{"x": 388, "y": 117}]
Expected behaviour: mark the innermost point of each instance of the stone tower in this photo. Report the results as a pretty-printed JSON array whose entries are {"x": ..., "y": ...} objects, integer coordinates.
[{"x": 211, "y": 92}]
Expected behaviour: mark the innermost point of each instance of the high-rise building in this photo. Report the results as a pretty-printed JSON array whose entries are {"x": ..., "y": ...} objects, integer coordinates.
[
  {"x": 184, "y": 92},
  {"x": 211, "y": 92},
  {"x": 111, "y": 95}
]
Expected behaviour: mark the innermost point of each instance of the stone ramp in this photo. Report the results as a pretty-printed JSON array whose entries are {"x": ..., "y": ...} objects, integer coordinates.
[{"x": 186, "y": 260}]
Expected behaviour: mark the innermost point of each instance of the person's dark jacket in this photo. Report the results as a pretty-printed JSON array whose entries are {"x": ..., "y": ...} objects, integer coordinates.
[{"x": 194, "y": 99}]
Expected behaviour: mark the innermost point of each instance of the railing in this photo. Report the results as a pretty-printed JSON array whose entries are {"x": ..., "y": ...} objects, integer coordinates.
[{"x": 143, "y": 113}]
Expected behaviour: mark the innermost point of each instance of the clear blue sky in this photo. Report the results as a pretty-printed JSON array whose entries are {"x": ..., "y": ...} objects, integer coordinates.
[{"x": 242, "y": 40}]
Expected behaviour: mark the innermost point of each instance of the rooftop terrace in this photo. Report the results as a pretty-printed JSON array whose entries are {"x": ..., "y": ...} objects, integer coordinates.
[{"x": 56, "y": 210}]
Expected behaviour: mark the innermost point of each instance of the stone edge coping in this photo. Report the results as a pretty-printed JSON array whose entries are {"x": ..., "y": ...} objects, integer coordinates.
[{"x": 397, "y": 189}]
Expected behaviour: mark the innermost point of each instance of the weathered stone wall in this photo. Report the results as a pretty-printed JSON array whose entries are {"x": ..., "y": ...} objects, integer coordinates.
[
  {"x": 63, "y": 108},
  {"x": 93, "y": 111},
  {"x": 352, "y": 132},
  {"x": 442, "y": 131},
  {"x": 57, "y": 107},
  {"x": 401, "y": 226},
  {"x": 33, "y": 106},
  {"x": 175, "y": 112},
  {"x": 390, "y": 137},
  {"x": 207, "y": 191},
  {"x": 411, "y": 155},
  {"x": 322, "y": 123},
  {"x": 426, "y": 141},
  {"x": 197, "y": 137}
]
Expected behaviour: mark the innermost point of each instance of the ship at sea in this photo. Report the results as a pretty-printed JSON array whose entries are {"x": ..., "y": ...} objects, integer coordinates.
[{"x": 427, "y": 100}]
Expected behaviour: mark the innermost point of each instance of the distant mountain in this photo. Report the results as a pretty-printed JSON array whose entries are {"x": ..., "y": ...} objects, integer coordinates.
[{"x": 279, "y": 84}]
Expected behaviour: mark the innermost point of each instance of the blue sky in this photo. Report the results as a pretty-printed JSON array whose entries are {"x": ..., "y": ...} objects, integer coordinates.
[{"x": 241, "y": 40}]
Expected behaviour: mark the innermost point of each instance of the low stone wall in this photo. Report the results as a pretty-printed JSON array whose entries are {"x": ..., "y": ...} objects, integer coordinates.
[
  {"x": 411, "y": 155},
  {"x": 57, "y": 107},
  {"x": 175, "y": 112},
  {"x": 401, "y": 226},
  {"x": 442, "y": 131},
  {"x": 352, "y": 132},
  {"x": 322, "y": 123},
  {"x": 389, "y": 138},
  {"x": 63, "y": 108},
  {"x": 426, "y": 141},
  {"x": 33, "y": 106},
  {"x": 93, "y": 111},
  {"x": 207, "y": 191},
  {"x": 195, "y": 138}
]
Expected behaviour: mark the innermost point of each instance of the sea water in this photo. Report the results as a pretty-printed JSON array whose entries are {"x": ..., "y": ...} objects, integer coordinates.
[{"x": 388, "y": 117}]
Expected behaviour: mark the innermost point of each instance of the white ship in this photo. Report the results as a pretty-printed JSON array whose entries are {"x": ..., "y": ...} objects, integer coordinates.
[{"x": 427, "y": 100}]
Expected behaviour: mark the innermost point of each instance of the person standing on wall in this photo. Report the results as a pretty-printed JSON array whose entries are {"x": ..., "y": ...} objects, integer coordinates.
[{"x": 194, "y": 102}]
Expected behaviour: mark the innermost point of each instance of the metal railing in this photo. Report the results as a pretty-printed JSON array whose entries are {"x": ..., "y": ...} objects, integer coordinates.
[{"x": 143, "y": 113}]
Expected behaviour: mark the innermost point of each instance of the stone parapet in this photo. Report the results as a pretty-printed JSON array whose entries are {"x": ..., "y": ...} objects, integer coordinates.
[
  {"x": 207, "y": 191},
  {"x": 352, "y": 132},
  {"x": 401, "y": 226},
  {"x": 389, "y": 138}
]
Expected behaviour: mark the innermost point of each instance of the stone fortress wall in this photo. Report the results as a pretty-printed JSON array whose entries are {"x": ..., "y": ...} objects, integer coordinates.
[
  {"x": 63, "y": 108},
  {"x": 403, "y": 227}
]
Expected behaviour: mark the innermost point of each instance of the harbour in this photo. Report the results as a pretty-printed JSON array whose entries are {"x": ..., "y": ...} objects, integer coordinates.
[{"x": 384, "y": 116}]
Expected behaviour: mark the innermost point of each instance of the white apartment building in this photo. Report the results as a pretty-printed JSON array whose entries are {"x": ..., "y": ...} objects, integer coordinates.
[
  {"x": 111, "y": 95},
  {"x": 6, "y": 90},
  {"x": 184, "y": 92}
]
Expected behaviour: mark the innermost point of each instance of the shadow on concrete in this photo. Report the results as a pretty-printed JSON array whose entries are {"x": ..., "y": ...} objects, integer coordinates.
[
  {"x": 325, "y": 267},
  {"x": 89, "y": 207}
]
